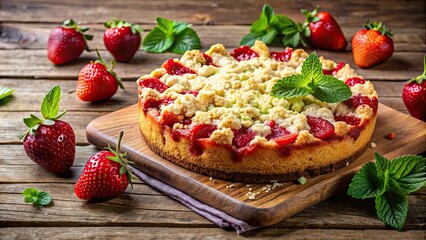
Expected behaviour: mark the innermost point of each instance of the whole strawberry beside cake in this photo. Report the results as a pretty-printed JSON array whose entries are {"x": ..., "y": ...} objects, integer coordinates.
[{"x": 254, "y": 115}]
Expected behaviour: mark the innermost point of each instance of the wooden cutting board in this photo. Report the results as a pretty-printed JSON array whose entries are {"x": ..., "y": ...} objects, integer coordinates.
[{"x": 269, "y": 207}]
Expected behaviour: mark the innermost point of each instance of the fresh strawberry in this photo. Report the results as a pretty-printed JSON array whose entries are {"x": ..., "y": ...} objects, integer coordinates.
[
  {"x": 97, "y": 82},
  {"x": 106, "y": 174},
  {"x": 324, "y": 32},
  {"x": 50, "y": 142},
  {"x": 372, "y": 45},
  {"x": 243, "y": 53},
  {"x": 414, "y": 95},
  {"x": 122, "y": 39},
  {"x": 320, "y": 127},
  {"x": 67, "y": 42}
]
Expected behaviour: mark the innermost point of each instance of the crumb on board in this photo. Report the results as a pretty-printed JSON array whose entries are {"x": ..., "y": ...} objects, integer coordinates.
[
  {"x": 230, "y": 186},
  {"x": 212, "y": 180},
  {"x": 373, "y": 145}
]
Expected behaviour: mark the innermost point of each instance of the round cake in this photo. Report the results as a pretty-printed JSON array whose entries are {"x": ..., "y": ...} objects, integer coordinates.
[{"x": 213, "y": 113}]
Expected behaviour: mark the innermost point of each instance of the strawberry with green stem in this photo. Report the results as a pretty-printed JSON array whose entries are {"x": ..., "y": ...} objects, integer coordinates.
[
  {"x": 50, "y": 142},
  {"x": 67, "y": 42},
  {"x": 106, "y": 174},
  {"x": 414, "y": 95},
  {"x": 97, "y": 81}
]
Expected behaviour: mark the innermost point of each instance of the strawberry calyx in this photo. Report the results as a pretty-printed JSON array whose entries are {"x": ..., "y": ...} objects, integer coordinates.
[
  {"x": 110, "y": 69},
  {"x": 121, "y": 158},
  {"x": 378, "y": 26},
  {"x": 118, "y": 23},
  {"x": 311, "y": 17},
  {"x": 70, "y": 23},
  {"x": 49, "y": 111},
  {"x": 419, "y": 79}
]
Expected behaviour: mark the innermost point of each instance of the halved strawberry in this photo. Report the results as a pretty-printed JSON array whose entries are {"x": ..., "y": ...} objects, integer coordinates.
[
  {"x": 176, "y": 68},
  {"x": 280, "y": 135},
  {"x": 202, "y": 131},
  {"x": 320, "y": 127},
  {"x": 169, "y": 119},
  {"x": 351, "y": 120},
  {"x": 354, "y": 80},
  {"x": 153, "y": 83},
  {"x": 243, "y": 53},
  {"x": 283, "y": 56},
  {"x": 242, "y": 138}
]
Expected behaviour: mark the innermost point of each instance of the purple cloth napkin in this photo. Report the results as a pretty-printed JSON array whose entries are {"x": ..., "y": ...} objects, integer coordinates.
[{"x": 212, "y": 214}]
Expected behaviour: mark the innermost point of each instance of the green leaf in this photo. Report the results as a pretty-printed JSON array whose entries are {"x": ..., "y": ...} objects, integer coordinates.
[
  {"x": 291, "y": 87},
  {"x": 409, "y": 172},
  {"x": 331, "y": 90},
  {"x": 392, "y": 208},
  {"x": 382, "y": 164},
  {"x": 165, "y": 25},
  {"x": 312, "y": 67},
  {"x": 157, "y": 41},
  {"x": 302, "y": 180},
  {"x": 292, "y": 39},
  {"x": 281, "y": 22},
  {"x": 32, "y": 195},
  {"x": 5, "y": 91},
  {"x": 365, "y": 184},
  {"x": 178, "y": 27},
  {"x": 262, "y": 23},
  {"x": 32, "y": 121},
  {"x": 186, "y": 40},
  {"x": 50, "y": 105},
  {"x": 266, "y": 36}
]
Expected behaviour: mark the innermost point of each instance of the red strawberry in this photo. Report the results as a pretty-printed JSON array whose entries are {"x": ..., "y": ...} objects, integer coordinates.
[
  {"x": 243, "y": 53},
  {"x": 242, "y": 138},
  {"x": 153, "y": 83},
  {"x": 324, "y": 31},
  {"x": 372, "y": 45},
  {"x": 414, "y": 95},
  {"x": 50, "y": 142},
  {"x": 97, "y": 82},
  {"x": 106, "y": 174},
  {"x": 320, "y": 127},
  {"x": 122, "y": 39},
  {"x": 280, "y": 135},
  {"x": 283, "y": 56},
  {"x": 67, "y": 42},
  {"x": 354, "y": 80},
  {"x": 176, "y": 68}
]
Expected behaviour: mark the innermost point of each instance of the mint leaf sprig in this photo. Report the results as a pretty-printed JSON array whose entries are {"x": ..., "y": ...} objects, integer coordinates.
[
  {"x": 388, "y": 182},
  {"x": 271, "y": 27},
  {"x": 5, "y": 92},
  {"x": 173, "y": 36},
  {"x": 36, "y": 197},
  {"x": 49, "y": 111},
  {"x": 312, "y": 81}
]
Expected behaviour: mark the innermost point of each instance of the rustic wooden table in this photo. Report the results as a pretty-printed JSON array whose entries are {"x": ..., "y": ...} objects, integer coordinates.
[{"x": 144, "y": 212}]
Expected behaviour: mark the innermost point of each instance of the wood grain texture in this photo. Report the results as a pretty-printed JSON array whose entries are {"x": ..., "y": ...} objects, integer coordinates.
[
  {"x": 340, "y": 211},
  {"x": 401, "y": 66},
  {"x": 210, "y": 12},
  {"x": 267, "y": 208},
  {"x": 34, "y": 36},
  {"x": 199, "y": 233}
]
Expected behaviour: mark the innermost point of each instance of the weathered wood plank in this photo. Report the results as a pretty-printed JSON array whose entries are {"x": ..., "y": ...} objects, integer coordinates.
[
  {"x": 208, "y": 12},
  {"x": 11, "y": 125},
  {"x": 198, "y": 233},
  {"x": 144, "y": 207},
  {"x": 34, "y": 36},
  {"x": 401, "y": 66},
  {"x": 30, "y": 92}
]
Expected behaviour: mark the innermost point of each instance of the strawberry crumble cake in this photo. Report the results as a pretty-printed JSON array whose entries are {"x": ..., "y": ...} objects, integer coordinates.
[{"x": 213, "y": 113}]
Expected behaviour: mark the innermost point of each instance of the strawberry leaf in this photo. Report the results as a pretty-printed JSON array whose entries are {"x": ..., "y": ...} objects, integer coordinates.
[
  {"x": 50, "y": 105},
  {"x": 32, "y": 121}
]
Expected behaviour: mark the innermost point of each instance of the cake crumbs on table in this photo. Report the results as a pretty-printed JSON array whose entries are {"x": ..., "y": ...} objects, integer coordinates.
[
  {"x": 212, "y": 180},
  {"x": 230, "y": 186},
  {"x": 373, "y": 145}
]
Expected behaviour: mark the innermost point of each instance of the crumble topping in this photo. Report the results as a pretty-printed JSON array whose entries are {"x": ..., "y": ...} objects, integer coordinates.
[{"x": 235, "y": 94}]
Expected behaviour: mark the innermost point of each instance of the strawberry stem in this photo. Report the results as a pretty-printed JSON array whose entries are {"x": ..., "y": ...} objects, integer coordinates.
[
  {"x": 378, "y": 26},
  {"x": 419, "y": 79}
]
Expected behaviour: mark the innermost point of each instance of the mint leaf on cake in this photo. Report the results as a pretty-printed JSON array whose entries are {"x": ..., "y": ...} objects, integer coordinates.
[
  {"x": 312, "y": 81},
  {"x": 388, "y": 182}
]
